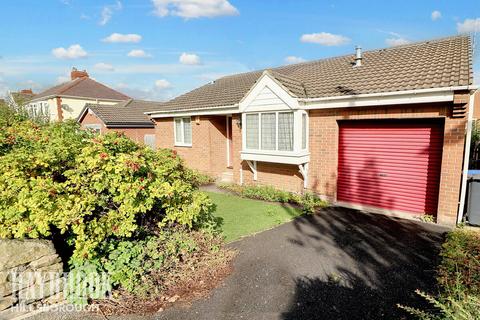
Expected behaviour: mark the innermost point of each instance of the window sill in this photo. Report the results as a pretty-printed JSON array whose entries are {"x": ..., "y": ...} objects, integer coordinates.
[
  {"x": 276, "y": 156},
  {"x": 182, "y": 145}
]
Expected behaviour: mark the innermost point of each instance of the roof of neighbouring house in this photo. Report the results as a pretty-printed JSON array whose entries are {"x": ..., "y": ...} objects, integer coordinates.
[
  {"x": 23, "y": 96},
  {"x": 130, "y": 113},
  {"x": 445, "y": 62},
  {"x": 84, "y": 87}
]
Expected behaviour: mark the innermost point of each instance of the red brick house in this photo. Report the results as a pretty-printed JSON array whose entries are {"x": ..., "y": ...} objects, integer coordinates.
[
  {"x": 128, "y": 117},
  {"x": 382, "y": 130}
]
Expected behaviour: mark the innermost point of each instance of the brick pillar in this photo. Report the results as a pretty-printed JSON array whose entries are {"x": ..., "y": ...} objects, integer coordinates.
[{"x": 59, "y": 109}]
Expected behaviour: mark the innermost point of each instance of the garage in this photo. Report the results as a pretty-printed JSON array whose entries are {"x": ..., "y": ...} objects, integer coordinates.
[{"x": 390, "y": 164}]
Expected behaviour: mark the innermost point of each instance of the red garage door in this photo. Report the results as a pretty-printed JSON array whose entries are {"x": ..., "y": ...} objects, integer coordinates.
[{"x": 393, "y": 165}]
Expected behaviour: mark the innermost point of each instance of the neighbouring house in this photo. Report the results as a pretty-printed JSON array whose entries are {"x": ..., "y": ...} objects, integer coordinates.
[
  {"x": 382, "y": 130},
  {"x": 66, "y": 100},
  {"x": 20, "y": 98},
  {"x": 128, "y": 117}
]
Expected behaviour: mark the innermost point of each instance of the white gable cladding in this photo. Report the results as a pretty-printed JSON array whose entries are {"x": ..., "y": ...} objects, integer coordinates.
[
  {"x": 266, "y": 100},
  {"x": 267, "y": 94}
]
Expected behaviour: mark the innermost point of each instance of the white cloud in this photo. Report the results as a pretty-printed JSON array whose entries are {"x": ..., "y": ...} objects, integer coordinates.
[
  {"x": 147, "y": 93},
  {"x": 469, "y": 25},
  {"x": 107, "y": 12},
  {"x": 293, "y": 59},
  {"x": 3, "y": 88},
  {"x": 194, "y": 8},
  {"x": 436, "y": 15},
  {"x": 137, "y": 53},
  {"x": 325, "y": 39},
  {"x": 62, "y": 79},
  {"x": 29, "y": 84},
  {"x": 75, "y": 51},
  {"x": 103, "y": 66},
  {"x": 124, "y": 38},
  {"x": 393, "y": 42},
  {"x": 189, "y": 59},
  {"x": 162, "y": 84}
]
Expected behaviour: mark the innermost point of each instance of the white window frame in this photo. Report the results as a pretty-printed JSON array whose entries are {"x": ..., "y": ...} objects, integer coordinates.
[
  {"x": 181, "y": 143},
  {"x": 297, "y": 156},
  {"x": 94, "y": 127},
  {"x": 307, "y": 130},
  {"x": 260, "y": 114}
]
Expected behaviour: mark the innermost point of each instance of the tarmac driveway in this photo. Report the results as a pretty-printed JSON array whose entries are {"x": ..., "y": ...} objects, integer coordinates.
[{"x": 339, "y": 264}]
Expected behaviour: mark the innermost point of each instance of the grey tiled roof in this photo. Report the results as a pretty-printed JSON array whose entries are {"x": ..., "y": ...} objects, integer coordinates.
[
  {"x": 130, "y": 113},
  {"x": 429, "y": 64},
  {"x": 83, "y": 87}
]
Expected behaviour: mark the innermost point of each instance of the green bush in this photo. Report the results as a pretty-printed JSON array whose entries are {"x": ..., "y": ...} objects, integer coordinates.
[
  {"x": 309, "y": 201},
  {"x": 141, "y": 267},
  {"x": 459, "y": 279},
  {"x": 91, "y": 188},
  {"x": 463, "y": 307},
  {"x": 200, "y": 179},
  {"x": 131, "y": 263},
  {"x": 460, "y": 266},
  {"x": 87, "y": 280}
]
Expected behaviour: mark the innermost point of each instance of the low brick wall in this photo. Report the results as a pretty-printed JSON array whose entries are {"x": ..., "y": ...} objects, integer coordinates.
[{"x": 31, "y": 275}]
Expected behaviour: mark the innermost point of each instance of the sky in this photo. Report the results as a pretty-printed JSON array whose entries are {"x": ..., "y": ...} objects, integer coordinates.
[{"x": 158, "y": 49}]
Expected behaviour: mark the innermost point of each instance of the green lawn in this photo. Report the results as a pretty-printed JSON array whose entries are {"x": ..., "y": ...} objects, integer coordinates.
[{"x": 242, "y": 217}]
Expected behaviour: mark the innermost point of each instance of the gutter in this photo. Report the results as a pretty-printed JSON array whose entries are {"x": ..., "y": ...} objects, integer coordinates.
[
  {"x": 130, "y": 125},
  {"x": 466, "y": 157},
  {"x": 390, "y": 93},
  {"x": 193, "y": 111},
  {"x": 73, "y": 97}
]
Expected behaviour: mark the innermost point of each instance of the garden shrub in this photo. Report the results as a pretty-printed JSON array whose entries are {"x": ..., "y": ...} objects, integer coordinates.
[
  {"x": 87, "y": 280},
  {"x": 458, "y": 278},
  {"x": 92, "y": 188},
  {"x": 143, "y": 266},
  {"x": 460, "y": 266},
  {"x": 200, "y": 179},
  {"x": 309, "y": 201}
]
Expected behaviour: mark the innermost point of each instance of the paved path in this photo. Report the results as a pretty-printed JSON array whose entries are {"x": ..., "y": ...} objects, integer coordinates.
[{"x": 339, "y": 264}]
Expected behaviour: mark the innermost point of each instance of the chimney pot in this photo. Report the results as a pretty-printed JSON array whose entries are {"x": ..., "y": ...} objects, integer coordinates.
[
  {"x": 78, "y": 74},
  {"x": 358, "y": 56}
]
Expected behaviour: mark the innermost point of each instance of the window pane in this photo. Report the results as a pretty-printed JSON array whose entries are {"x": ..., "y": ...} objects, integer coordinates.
[
  {"x": 268, "y": 131},
  {"x": 178, "y": 130},
  {"x": 187, "y": 131},
  {"x": 304, "y": 131},
  {"x": 251, "y": 128},
  {"x": 285, "y": 131}
]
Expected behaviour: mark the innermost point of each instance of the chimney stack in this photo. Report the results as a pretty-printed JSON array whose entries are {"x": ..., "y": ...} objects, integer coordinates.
[
  {"x": 358, "y": 56},
  {"x": 78, "y": 74}
]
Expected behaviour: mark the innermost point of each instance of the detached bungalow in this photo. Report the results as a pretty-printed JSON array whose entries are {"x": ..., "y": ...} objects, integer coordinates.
[
  {"x": 128, "y": 117},
  {"x": 381, "y": 130}
]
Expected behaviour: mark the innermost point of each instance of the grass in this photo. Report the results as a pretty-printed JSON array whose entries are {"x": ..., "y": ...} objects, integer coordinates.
[{"x": 242, "y": 217}]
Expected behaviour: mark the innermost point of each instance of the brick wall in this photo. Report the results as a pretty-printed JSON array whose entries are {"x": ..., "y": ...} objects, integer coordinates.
[
  {"x": 208, "y": 152},
  {"x": 324, "y": 149},
  {"x": 136, "y": 134}
]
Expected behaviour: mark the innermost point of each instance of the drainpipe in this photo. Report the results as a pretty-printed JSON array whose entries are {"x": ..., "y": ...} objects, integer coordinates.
[{"x": 466, "y": 157}]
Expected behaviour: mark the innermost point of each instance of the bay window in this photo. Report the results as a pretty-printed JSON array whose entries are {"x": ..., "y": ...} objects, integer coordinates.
[
  {"x": 268, "y": 131},
  {"x": 183, "y": 131},
  {"x": 275, "y": 136},
  {"x": 252, "y": 130}
]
